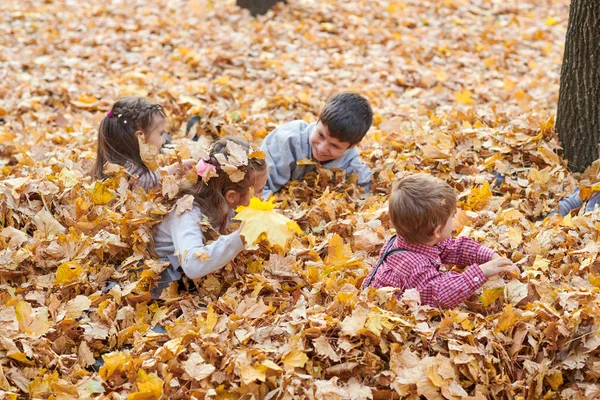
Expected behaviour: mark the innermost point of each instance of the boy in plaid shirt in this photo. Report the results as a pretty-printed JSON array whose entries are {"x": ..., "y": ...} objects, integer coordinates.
[{"x": 422, "y": 210}]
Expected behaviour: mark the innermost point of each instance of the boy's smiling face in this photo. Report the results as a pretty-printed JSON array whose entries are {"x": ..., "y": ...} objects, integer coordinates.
[{"x": 324, "y": 147}]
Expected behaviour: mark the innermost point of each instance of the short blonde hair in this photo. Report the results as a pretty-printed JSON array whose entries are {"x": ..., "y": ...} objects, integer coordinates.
[{"x": 419, "y": 203}]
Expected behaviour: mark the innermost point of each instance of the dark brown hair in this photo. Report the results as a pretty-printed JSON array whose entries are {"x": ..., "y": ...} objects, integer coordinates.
[
  {"x": 117, "y": 141},
  {"x": 348, "y": 117},
  {"x": 420, "y": 203},
  {"x": 210, "y": 196}
]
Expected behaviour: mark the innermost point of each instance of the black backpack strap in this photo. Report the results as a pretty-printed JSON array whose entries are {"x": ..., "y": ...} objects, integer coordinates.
[{"x": 387, "y": 252}]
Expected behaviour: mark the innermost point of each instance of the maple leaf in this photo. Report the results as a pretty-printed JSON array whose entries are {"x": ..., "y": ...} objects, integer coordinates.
[
  {"x": 170, "y": 187},
  {"x": 323, "y": 348},
  {"x": 77, "y": 306},
  {"x": 197, "y": 368},
  {"x": 47, "y": 225},
  {"x": 101, "y": 194},
  {"x": 150, "y": 387},
  {"x": 507, "y": 319},
  {"x": 490, "y": 295},
  {"x": 184, "y": 204},
  {"x": 32, "y": 321},
  {"x": 351, "y": 325},
  {"x": 294, "y": 359},
  {"x": 260, "y": 218},
  {"x": 464, "y": 97},
  {"x": 68, "y": 272}
]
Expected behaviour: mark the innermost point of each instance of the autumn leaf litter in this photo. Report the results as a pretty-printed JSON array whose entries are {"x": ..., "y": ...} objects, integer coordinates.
[{"x": 463, "y": 89}]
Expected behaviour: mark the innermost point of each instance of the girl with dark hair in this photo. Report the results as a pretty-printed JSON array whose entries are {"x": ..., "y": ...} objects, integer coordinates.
[
  {"x": 227, "y": 180},
  {"x": 129, "y": 119}
]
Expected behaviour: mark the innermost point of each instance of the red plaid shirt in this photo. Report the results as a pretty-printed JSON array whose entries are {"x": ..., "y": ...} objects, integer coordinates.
[{"x": 419, "y": 268}]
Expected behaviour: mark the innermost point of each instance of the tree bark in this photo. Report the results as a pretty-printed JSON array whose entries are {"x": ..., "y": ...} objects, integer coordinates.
[
  {"x": 257, "y": 6},
  {"x": 578, "y": 114}
]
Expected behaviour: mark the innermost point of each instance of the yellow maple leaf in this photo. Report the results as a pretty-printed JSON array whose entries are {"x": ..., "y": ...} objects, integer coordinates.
[
  {"x": 295, "y": 358},
  {"x": 594, "y": 279},
  {"x": 150, "y": 387},
  {"x": 490, "y": 295},
  {"x": 555, "y": 380},
  {"x": 211, "y": 319},
  {"x": 351, "y": 325},
  {"x": 260, "y": 217},
  {"x": 377, "y": 323},
  {"x": 68, "y": 272},
  {"x": 250, "y": 373},
  {"x": 507, "y": 319},
  {"x": 113, "y": 362},
  {"x": 479, "y": 197},
  {"x": 540, "y": 263},
  {"x": 101, "y": 194},
  {"x": 32, "y": 321},
  {"x": 464, "y": 97},
  {"x": 22, "y": 358}
]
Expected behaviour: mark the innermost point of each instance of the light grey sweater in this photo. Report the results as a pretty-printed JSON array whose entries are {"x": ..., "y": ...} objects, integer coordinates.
[
  {"x": 182, "y": 235},
  {"x": 290, "y": 143}
]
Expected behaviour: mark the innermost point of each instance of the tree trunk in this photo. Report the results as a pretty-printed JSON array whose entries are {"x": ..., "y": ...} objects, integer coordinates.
[
  {"x": 578, "y": 114},
  {"x": 257, "y": 6}
]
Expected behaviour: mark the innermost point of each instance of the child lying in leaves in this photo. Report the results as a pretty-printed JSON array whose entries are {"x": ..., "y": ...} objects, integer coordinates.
[
  {"x": 575, "y": 200},
  {"x": 422, "y": 210}
]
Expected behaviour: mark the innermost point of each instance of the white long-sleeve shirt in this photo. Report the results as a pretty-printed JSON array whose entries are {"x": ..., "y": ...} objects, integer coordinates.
[{"x": 182, "y": 235}]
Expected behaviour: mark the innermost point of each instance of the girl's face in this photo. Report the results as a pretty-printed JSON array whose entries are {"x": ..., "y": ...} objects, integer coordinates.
[
  {"x": 154, "y": 135},
  {"x": 235, "y": 199}
]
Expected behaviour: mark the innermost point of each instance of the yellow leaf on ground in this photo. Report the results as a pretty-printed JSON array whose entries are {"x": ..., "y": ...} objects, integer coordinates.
[
  {"x": 260, "y": 217},
  {"x": 594, "y": 279},
  {"x": 351, "y": 325},
  {"x": 113, "y": 362},
  {"x": 295, "y": 358},
  {"x": 211, "y": 318},
  {"x": 540, "y": 263},
  {"x": 490, "y": 295},
  {"x": 68, "y": 272},
  {"x": 464, "y": 97},
  {"x": 150, "y": 387},
  {"x": 197, "y": 368},
  {"x": 377, "y": 323},
  {"x": 101, "y": 195},
  {"x": 251, "y": 373},
  {"x": 555, "y": 380},
  {"x": 507, "y": 319},
  {"x": 479, "y": 197},
  {"x": 32, "y": 321}
]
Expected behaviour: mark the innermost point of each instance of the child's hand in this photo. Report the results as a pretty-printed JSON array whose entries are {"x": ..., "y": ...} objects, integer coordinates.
[
  {"x": 498, "y": 266},
  {"x": 189, "y": 162}
]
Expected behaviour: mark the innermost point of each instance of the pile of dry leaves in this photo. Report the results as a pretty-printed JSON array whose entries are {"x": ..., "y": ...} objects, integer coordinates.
[{"x": 465, "y": 89}]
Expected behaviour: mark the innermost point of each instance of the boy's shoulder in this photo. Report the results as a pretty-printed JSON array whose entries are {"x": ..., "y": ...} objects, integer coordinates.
[{"x": 292, "y": 130}]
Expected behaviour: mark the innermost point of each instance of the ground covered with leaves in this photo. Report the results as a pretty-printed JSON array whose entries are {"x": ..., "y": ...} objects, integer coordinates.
[{"x": 464, "y": 89}]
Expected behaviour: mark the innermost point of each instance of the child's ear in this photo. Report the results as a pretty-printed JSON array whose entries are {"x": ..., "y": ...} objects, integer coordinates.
[
  {"x": 232, "y": 198},
  {"x": 437, "y": 232},
  {"x": 140, "y": 134}
]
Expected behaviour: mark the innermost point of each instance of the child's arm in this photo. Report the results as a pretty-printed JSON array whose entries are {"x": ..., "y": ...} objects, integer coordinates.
[
  {"x": 173, "y": 168},
  {"x": 445, "y": 290},
  {"x": 569, "y": 203},
  {"x": 357, "y": 167},
  {"x": 281, "y": 157},
  {"x": 198, "y": 259},
  {"x": 464, "y": 251}
]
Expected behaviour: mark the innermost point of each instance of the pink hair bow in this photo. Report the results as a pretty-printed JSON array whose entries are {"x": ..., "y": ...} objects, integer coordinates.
[{"x": 203, "y": 167}]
